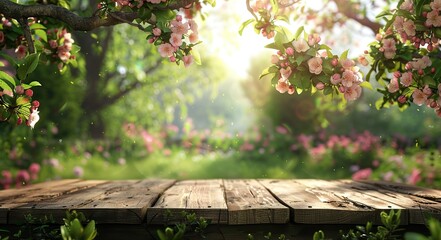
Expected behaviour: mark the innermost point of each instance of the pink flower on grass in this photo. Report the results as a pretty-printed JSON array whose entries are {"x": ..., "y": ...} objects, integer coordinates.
[
  {"x": 363, "y": 174},
  {"x": 78, "y": 171},
  {"x": 34, "y": 169},
  {"x": 6, "y": 180},
  {"x": 166, "y": 50},
  {"x": 22, "y": 178},
  {"x": 315, "y": 65},
  {"x": 414, "y": 177},
  {"x": 282, "y": 130}
]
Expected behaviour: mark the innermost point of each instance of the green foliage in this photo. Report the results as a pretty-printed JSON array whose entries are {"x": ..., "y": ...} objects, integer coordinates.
[
  {"x": 76, "y": 227},
  {"x": 191, "y": 224}
]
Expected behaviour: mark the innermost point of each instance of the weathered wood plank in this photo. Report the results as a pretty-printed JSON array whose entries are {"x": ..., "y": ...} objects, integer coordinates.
[
  {"x": 417, "y": 207},
  {"x": 12, "y": 198},
  {"x": 122, "y": 202},
  {"x": 357, "y": 198},
  {"x": 316, "y": 206},
  {"x": 205, "y": 198},
  {"x": 427, "y": 193},
  {"x": 249, "y": 202}
]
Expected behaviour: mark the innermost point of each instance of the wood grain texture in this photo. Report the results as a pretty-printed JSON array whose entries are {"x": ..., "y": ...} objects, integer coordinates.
[
  {"x": 112, "y": 202},
  {"x": 13, "y": 198},
  {"x": 419, "y": 202},
  {"x": 250, "y": 203},
  {"x": 317, "y": 206},
  {"x": 205, "y": 198},
  {"x": 357, "y": 198}
]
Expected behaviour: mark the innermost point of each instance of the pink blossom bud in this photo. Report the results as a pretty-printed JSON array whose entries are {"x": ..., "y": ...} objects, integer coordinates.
[
  {"x": 19, "y": 89},
  {"x": 402, "y": 99},
  {"x": 433, "y": 70},
  {"x": 152, "y": 40},
  {"x": 334, "y": 62},
  {"x": 172, "y": 59},
  {"x": 290, "y": 51},
  {"x": 291, "y": 89},
  {"x": 29, "y": 92},
  {"x": 433, "y": 104},
  {"x": 178, "y": 18},
  {"x": 421, "y": 72},
  {"x": 397, "y": 74},
  {"x": 156, "y": 31},
  {"x": 320, "y": 86},
  {"x": 342, "y": 89}
]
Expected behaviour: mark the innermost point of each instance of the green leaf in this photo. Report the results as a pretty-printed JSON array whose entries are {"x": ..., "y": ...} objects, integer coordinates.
[
  {"x": 211, "y": 2},
  {"x": 90, "y": 231},
  {"x": 274, "y": 6},
  {"x": 269, "y": 70},
  {"x": 414, "y": 236},
  {"x": 9, "y": 59},
  {"x": 37, "y": 26},
  {"x": 4, "y": 85},
  {"x": 28, "y": 66},
  {"x": 42, "y": 34},
  {"x": 164, "y": 15},
  {"x": 22, "y": 101},
  {"x": 8, "y": 78},
  {"x": 366, "y": 85},
  {"x": 298, "y": 32},
  {"x": 344, "y": 55},
  {"x": 272, "y": 46},
  {"x": 384, "y": 13},
  {"x": 379, "y": 104},
  {"x": 196, "y": 56},
  {"x": 244, "y": 24}
]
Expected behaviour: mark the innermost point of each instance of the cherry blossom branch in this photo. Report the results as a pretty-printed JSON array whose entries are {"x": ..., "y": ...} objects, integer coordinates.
[
  {"x": 251, "y": 10},
  {"x": 27, "y": 33},
  {"x": 348, "y": 11},
  {"x": 17, "y": 11}
]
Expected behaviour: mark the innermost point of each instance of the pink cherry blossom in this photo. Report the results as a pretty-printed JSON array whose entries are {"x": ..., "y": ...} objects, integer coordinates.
[
  {"x": 427, "y": 91},
  {"x": 419, "y": 98},
  {"x": 352, "y": 93},
  {"x": 398, "y": 23},
  {"x": 335, "y": 79},
  {"x": 275, "y": 59},
  {"x": 53, "y": 44},
  {"x": 433, "y": 19},
  {"x": 179, "y": 28},
  {"x": 407, "y": 5},
  {"x": 300, "y": 45},
  {"x": 436, "y": 5},
  {"x": 289, "y": 51},
  {"x": 188, "y": 60},
  {"x": 347, "y": 63},
  {"x": 176, "y": 39},
  {"x": 389, "y": 54},
  {"x": 393, "y": 85},
  {"x": 193, "y": 25},
  {"x": 348, "y": 78},
  {"x": 285, "y": 72},
  {"x": 406, "y": 79},
  {"x": 194, "y": 37},
  {"x": 315, "y": 65},
  {"x": 166, "y": 50},
  {"x": 282, "y": 86},
  {"x": 409, "y": 27},
  {"x": 320, "y": 86}
]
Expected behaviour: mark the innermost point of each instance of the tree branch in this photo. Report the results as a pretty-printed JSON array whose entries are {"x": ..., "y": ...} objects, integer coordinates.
[
  {"x": 346, "y": 9},
  {"x": 112, "y": 99},
  {"x": 27, "y": 33},
  {"x": 17, "y": 11}
]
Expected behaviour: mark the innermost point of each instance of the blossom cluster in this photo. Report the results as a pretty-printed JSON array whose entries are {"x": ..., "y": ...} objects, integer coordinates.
[
  {"x": 409, "y": 51},
  {"x": 22, "y": 177},
  {"x": 303, "y": 64},
  {"x": 60, "y": 46},
  {"x": 176, "y": 39}
]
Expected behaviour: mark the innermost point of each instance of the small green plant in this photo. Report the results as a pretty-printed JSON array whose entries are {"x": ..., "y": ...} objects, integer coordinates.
[
  {"x": 74, "y": 229},
  {"x": 36, "y": 228},
  {"x": 267, "y": 236},
  {"x": 190, "y": 224},
  {"x": 388, "y": 231}
]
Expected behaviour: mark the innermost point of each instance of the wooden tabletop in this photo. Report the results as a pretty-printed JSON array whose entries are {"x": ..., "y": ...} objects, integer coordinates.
[{"x": 229, "y": 202}]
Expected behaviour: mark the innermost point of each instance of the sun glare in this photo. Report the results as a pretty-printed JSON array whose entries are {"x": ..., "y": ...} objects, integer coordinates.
[{"x": 223, "y": 39}]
